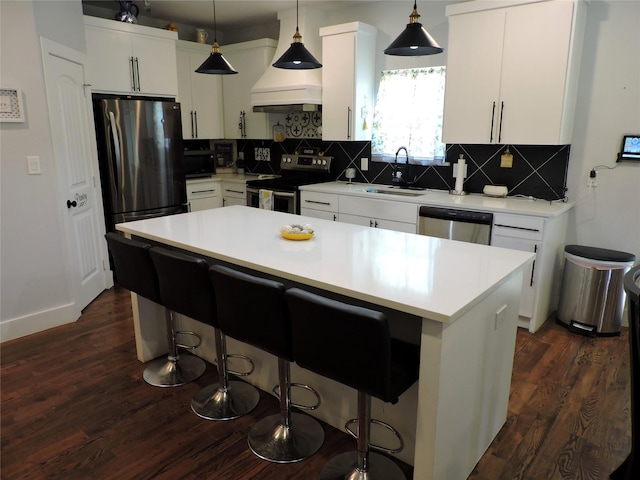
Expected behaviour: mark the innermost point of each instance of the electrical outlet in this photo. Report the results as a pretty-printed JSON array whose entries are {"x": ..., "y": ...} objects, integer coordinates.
[
  {"x": 500, "y": 316},
  {"x": 592, "y": 181},
  {"x": 364, "y": 164}
]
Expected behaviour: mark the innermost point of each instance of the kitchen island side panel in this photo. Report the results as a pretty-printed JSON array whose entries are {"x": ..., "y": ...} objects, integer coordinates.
[{"x": 465, "y": 380}]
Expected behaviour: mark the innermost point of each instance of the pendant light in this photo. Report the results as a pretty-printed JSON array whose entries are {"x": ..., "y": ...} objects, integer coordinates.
[
  {"x": 215, "y": 64},
  {"x": 415, "y": 40},
  {"x": 297, "y": 57}
]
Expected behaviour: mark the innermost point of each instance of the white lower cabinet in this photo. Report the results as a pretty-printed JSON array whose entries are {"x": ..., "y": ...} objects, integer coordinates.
[
  {"x": 379, "y": 223},
  {"x": 540, "y": 284},
  {"x": 233, "y": 193},
  {"x": 397, "y": 216},
  {"x": 203, "y": 194},
  {"x": 319, "y": 205}
]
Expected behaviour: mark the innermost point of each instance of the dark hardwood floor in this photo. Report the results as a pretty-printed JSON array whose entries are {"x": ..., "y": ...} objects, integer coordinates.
[{"x": 74, "y": 406}]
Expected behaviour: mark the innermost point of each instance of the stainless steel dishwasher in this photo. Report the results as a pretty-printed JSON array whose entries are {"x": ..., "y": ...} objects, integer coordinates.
[{"x": 454, "y": 224}]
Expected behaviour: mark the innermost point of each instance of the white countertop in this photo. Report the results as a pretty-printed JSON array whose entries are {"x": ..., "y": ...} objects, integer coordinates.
[
  {"x": 429, "y": 277},
  {"x": 479, "y": 202},
  {"x": 231, "y": 177}
]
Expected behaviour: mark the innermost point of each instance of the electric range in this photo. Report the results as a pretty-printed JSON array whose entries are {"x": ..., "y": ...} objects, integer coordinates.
[{"x": 298, "y": 169}]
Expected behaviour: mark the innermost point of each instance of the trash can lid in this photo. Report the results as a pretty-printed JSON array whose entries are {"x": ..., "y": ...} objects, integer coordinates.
[{"x": 602, "y": 254}]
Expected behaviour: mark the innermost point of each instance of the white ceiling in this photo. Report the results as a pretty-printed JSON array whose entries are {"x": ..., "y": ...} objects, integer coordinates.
[{"x": 229, "y": 13}]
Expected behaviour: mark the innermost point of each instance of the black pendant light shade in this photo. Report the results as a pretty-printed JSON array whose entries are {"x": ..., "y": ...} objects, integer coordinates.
[
  {"x": 215, "y": 64},
  {"x": 297, "y": 57},
  {"x": 415, "y": 40}
]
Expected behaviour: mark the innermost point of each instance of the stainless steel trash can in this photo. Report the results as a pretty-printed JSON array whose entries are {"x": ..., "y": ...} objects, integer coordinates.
[{"x": 592, "y": 295}]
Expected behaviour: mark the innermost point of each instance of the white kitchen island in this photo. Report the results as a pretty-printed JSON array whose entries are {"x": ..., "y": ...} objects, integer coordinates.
[{"x": 463, "y": 298}]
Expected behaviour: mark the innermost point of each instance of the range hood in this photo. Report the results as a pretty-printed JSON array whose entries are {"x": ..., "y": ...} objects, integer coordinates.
[{"x": 280, "y": 90}]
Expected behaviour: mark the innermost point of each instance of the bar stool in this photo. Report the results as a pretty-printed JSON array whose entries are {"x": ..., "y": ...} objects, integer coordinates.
[
  {"x": 630, "y": 468},
  {"x": 253, "y": 310},
  {"x": 136, "y": 272},
  {"x": 352, "y": 345},
  {"x": 186, "y": 288}
]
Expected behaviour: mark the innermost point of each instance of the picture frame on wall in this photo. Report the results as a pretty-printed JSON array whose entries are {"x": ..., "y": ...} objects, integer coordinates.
[{"x": 11, "y": 107}]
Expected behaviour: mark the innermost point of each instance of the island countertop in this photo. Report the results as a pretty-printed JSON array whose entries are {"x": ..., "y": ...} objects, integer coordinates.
[
  {"x": 424, "y": 276},
  {"x": 462, "y": 297}
]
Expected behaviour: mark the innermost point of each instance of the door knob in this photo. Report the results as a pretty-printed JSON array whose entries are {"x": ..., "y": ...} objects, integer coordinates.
[{"x": 71, "y": 203}]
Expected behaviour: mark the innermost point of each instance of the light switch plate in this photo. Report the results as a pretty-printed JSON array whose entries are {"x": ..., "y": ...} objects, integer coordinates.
[
  {"x": 33, "y": 166},
  {"x": 364, "y": 164}
]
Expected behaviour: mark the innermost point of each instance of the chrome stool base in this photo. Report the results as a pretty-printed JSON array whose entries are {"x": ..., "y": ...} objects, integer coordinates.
[
  {"x": 216, "y": 403},
  {"x": 164, "y": 372},
  {"x": 345, "y": 467},
  {"x": 271, "y": 440}
]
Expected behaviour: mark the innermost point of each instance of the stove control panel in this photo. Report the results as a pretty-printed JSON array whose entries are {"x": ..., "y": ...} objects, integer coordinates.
[{"x": 306, "y": 163}]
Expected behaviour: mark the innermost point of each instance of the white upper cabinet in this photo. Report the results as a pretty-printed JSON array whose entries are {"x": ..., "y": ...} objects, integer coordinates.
[
  {"x": 250, "y": 59},
  {"x": 512, "y": 72},
  {"x": 348, "y": 78},
  {"x": 200, "y": 94},
  {"x": 131, "y": 59}
]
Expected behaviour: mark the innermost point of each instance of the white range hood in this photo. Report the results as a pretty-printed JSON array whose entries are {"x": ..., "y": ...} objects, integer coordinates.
[{"x": 280, "y": 89}]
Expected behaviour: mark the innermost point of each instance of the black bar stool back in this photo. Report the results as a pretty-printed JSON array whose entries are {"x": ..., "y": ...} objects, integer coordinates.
[
  {"x": 352, "y": 345},
  {"x": 253, "y": 310},
  {"x": 133, "y": 266},
  {"x": 186, "y": 288}
]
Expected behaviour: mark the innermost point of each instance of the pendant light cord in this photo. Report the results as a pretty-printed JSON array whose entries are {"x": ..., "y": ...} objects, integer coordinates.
[{"x": 215, "y": 27}]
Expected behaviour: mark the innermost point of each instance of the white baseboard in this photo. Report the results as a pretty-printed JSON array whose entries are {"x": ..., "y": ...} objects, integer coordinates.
[{"x": 37, "y": 322}]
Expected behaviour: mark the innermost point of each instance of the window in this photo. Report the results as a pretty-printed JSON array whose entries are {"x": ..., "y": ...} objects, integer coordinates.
[{"x": 408, "y": 113}]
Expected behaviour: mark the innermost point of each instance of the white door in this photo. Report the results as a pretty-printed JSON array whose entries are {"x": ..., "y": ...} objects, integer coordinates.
[{"x": 75, "y": 159}]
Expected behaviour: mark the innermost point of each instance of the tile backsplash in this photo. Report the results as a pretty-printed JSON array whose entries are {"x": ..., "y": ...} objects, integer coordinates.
[{"x": 537, "y": 171}]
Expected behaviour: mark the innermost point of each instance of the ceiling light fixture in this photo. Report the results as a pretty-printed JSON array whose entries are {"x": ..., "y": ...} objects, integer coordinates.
[
  {"x": 215, "y": 64},
  {"x": 415, "y": 40},
  {"x": 297, "y": 57}
]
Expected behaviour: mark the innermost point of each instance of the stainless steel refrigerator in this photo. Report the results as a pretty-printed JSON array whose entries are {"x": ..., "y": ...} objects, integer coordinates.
[{"x": 140, "y": 155}]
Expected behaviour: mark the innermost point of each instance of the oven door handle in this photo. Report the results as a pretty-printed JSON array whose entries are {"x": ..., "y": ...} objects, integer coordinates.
[{"x": 284, "y": 194}]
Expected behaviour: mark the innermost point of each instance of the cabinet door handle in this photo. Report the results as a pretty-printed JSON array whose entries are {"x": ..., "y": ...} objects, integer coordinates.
[
  {"x": 318, "y": 203},
  {"x": 375, "y": 224},
  {"x": 500, "y": 126},
  {"x": 133, "y": 74},
  {"x": 233, "y": 191},
  {"x": 516, "y": 228},
  {"x": 203, "y": 191},
  {"x": 335, "y": 217},
  {"x": 192, "y": 125},
  {"x": 242, "y": 124},
  {"x": 348, "y": 123},
  {"x": 137, "y": 74},
  {"x": 371, "y": 223},
  {"x": 533, "y": 267},
  {"x": 195, "y": 116},
  {"x": 493, "y": 116},
  {"x": 71, "y": 203}
]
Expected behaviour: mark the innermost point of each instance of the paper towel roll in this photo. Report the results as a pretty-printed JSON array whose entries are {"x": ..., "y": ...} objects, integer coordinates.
[{"x": 460, "y": 173}]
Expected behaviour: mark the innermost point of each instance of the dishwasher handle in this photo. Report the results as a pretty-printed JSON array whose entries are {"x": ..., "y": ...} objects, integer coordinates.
[{"x": 453, "y": 214}]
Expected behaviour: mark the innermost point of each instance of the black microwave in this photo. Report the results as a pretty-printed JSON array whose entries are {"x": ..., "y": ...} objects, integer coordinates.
[{"x": 199, "y": 163}]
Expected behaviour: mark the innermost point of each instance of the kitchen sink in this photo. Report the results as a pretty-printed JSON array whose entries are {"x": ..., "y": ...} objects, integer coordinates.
[{"x": 405, "y": 193}]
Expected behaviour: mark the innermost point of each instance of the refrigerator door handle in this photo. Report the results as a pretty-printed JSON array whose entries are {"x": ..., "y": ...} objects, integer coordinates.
[{"x": 116, "y": 151}]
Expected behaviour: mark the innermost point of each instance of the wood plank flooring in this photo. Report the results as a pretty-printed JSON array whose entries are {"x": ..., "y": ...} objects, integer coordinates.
[{"x": 74, "y": 406}]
